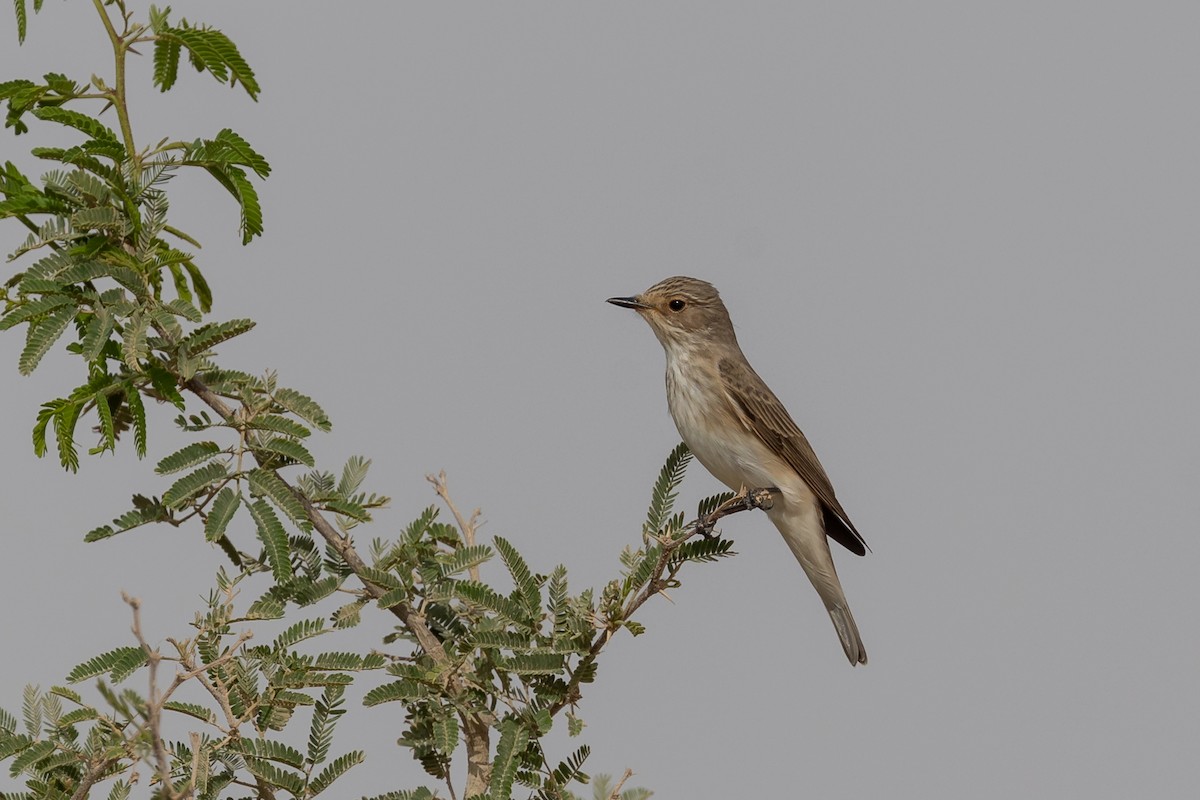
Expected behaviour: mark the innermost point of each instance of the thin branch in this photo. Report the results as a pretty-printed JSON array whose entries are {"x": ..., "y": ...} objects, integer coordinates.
[
  {"x": 468, "y": 526},
  {"x": 96, "y": 772},
  {"x": 154, "y": 703},
  {"x": 746, "y": 500},
  {"x": 156, "y": 700},
  {"x": 411, "y": 619},
  {"x": 615, "y": 794},
  {"x": 117, "y": 95}
]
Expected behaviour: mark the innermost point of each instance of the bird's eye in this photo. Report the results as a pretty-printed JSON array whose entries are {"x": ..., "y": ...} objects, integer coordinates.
[{"x": 676, "y": 305}]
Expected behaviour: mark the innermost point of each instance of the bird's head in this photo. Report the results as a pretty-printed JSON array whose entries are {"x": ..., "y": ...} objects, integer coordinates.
[{"x": 682, "y": 312}]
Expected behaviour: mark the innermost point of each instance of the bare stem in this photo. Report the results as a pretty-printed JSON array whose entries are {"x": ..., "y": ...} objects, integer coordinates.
[
  {"x": 116, "y": 95},
  {"x": 468, "y": 526},
  {"x": 615, "y": 794},
  {"x": 154, "y": 703},
  {"x": 157, "y": 700}
]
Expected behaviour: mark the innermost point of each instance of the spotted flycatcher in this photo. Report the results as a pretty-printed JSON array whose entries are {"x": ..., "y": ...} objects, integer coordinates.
[{"x": 737, "y": 428}]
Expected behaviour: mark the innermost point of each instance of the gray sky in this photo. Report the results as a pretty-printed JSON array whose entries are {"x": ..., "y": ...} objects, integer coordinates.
[{"x": 959, "y": 242}]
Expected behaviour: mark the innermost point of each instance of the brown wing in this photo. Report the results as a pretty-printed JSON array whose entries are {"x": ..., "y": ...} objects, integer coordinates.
[{"x": 769, "y": 420}]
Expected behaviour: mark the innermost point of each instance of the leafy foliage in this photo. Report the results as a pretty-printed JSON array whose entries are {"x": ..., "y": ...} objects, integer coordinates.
[{"x": 108, "y": 278}]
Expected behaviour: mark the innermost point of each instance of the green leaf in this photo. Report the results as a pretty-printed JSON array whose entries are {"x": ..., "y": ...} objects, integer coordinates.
[
  {"x": 64, "y": 432},
  {"x": 182, "y": 308},
  {"x": 108, "y": 429},
  {"x": 208, "y": 336},
  {"x": 274, "y": 539},
  {"x": 483, "y": 595},
  {"x": 535, "y": 663},
  {"x": 348, "y": 662},
  {"x": 30, "y": 756},
  {"x": 34, "y": 308},
  {"x": 199, "y": 284},
  {"x": 278, "y": 424},
  {"x": 396, "y": 691},
  {"x": 164, "y": 383},
  {"x": 144, "y": 512},
  {"x": 336, "y": 769},
  {"x": 302, "y": 406},
  {"x": 325, "y": 717},
  {"x": 22, "y": 20},
  {"x": 102, "y": 218},
  {"x": 287, "y": 780},
  {"x": 135, "y": 350},
  {"x": 349, "y": 614},
  {"x": 120, "y": 790},
  {"x": 305, "y": 593},
  {"x": 79, "y": 121},
  {"x": 234, "y": 180},
  {"x": 266, "y": 607},
  {"x": 166, "y": 62},
  {"x": 99, "y": 329},
  {"x": 445, "y": 733},
  {"x": 42, "y": 336},
  {"x": 464, "y": 558},
  {"x": 304, "y": 629},
  {"x": 289, "y": 449},
  {"x": 238, "y": 151},
  {"x": 266, "y": 483},
  {"x": 702, "y": 550},
  {"x": 528, "y": 587},
  {"x": 353, "y": 474},
  {"x": 636, "y": 628},
  {"x": 213, "y": 52},
  {"x": 224, "y": 506},
  {"x": 348, "y": 509},
  {"x": 137, "y": 411},
  {"x": 663, "y": 496},
  {"x": 559, "y": 606},
  {"x": 514, "y": 737},
  {"x": 572, "y": 768},
  {"x": 190, "y": 456},
  {"x": 122, "y": 661},
  {"x": 193, "y": 483},
  {"x": 645, "y": 567},
  {"x": 268, "y": 750},
  {"x": 191, "y": 709}
]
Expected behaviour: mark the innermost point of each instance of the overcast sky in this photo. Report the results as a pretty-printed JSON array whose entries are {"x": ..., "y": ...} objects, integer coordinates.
[{"x": 959, "y": 242}]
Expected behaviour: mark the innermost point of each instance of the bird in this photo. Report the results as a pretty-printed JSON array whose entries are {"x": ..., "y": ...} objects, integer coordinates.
[{"x": 741, "y": 433}]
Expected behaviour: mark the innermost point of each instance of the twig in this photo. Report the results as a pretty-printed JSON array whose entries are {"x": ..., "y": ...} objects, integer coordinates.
[
  {"x": 154, "y": 703},
  {"x": 745, "y": 500},
  {"x": 476, "y": 730},
  {"x": 156, "y": 700},
  {"x": 468, "y": 526},
  {"x": 615, "y": 794},
  {"x": 412, "y": 620}
]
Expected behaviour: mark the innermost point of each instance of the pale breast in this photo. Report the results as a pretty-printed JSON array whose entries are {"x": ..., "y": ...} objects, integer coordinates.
[{"x": 710, "y": 426}]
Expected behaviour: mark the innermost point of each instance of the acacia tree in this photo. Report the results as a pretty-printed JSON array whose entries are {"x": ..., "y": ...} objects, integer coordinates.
[{"x": 481, "y": 673}]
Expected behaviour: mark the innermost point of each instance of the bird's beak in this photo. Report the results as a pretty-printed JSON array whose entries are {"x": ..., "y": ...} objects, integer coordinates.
[{"x": 629, "y": 302}]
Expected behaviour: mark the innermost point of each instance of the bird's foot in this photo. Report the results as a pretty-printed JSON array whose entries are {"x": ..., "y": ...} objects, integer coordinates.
[{"x": 763, "y": 499}]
